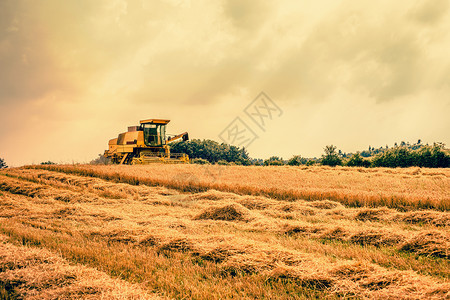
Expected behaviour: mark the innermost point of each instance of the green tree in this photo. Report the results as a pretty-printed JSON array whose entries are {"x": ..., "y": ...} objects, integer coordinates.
[
  {"x": 425, "y": 156},
  {"x": 200, "y": 161},
  {"x": 3, "y": 164},
  {"x": 212, "y": 151},
  {"x": 331, "y": 158},
  {"x": 357, "y": 161},
  {"x": 311, "y": 162},
  {"x": 395, "y": 157},
  {"x": 434, "y": 157},
  {"x": 274, "y": 161},
  {"x": 297, "y": 160}
]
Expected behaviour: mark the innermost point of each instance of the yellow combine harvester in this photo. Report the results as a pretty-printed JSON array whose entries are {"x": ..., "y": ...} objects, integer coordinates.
[{"x": 145, "y": 143}]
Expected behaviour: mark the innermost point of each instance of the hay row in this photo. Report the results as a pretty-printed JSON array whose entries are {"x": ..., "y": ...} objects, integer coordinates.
[
  {"x": 238, "y": 257},
  {"x": 350, "y": 187},
  {"x": 190, "y": 224},
  {"x": 319, "y": 207},
  {"x": 30, "y": 273},
  {"x": 427, "y": 243}
]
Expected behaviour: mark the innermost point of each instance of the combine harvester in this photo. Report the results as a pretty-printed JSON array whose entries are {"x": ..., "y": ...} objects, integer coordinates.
[{"x": 144, "y": 144}]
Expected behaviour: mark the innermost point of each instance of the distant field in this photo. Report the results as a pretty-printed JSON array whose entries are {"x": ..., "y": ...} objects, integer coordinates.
[
  {"x": 409, "y": 188},
  {"x": 177, "y": 238}
]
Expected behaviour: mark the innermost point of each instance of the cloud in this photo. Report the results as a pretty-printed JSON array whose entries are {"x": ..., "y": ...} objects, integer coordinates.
[
  {"x": 360, "y": 47},
  {"x": 247, "y": 14},
  {"x": 108, "y": 63},
  {"x": 196, "y": 52},
  {"x": 429, "y": 11},
  {"x": 28, "y": 70}
]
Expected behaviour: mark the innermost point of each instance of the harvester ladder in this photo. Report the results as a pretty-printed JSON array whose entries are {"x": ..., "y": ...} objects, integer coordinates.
[{"x": 124, "y": 158}]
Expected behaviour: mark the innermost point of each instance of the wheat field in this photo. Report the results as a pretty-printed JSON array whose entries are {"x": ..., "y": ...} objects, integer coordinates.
[
  {"x": 221, "y": 232},
  {"x": 405, "y": 189}
]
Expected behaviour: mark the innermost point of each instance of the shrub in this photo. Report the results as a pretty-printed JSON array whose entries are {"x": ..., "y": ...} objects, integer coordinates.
[
  {"x": 212, "y": 151},
  {"x": 2, "y": 164},
  {"x": 297, "y": 160},
  {"x": 331, "y": 158},
  {"x": 310, "y": 162},
  {"x": 429, "y": 157},
  {"x": 433, "y": 157},
  {"x": 274, "y": 161},
  {"x": 357, "y": 161},
  {"x": 200, "y": 161},
  {"x": 100, "y": 160}
]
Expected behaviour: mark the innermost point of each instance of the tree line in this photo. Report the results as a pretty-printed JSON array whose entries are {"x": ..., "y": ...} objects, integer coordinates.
[
  {"x": 399, "y": 156},
  {"x": 209, "y": 151},
  {"x": 403, "y": 155}
]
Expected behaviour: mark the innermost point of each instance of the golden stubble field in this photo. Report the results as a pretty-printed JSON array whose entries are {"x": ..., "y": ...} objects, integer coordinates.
[{"x": 217, "y": 232}]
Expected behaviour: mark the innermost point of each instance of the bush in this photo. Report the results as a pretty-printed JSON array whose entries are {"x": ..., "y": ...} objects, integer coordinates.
[
  {"x": 212, "y": 151},
  {"x": 426, "y": 156},
  {"x": 48, "y": 163},
  {"x": 274, "y": 161},
  {"x": 357, "y": 161},
  {"x": 257, "y": 162},
  {"x": 223, "y": 162},
  {"x": 100, "y": 160},
  {"x": 2, "y": 164},
  {"x": 433, "y": 157},
  {"x": 310, "y": 162},
  {"x": 297, "y": 160},
  {"x": 200, "y": 161},
  {"x": 331, "y": 158}
]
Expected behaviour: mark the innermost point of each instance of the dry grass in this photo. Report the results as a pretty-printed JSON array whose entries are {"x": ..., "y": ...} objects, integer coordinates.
[
  {"x": 406, "y": 189},
  {"x": 231, "y": 212},
  {"x": 32, "y": 273},
  {"x": 432, "y": 243},
  {"x": 218, "y": 245}
]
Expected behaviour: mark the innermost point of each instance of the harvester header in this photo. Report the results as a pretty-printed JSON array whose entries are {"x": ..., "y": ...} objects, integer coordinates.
[{"x": 146, "y": 143}]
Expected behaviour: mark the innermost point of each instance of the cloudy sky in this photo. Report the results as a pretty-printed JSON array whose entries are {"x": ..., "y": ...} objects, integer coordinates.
[{"x": 352, "y": 73}]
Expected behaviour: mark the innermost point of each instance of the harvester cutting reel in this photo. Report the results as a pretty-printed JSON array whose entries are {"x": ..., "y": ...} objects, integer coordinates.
[{"x": 148, "y": 158}]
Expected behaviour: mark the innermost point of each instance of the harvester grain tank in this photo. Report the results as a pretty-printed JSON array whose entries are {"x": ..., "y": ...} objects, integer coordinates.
[{"x": 146, "y": 143}]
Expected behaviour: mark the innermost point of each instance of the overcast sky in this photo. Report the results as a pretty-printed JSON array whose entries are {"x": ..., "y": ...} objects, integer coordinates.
[{"x": 74, "y": 74}]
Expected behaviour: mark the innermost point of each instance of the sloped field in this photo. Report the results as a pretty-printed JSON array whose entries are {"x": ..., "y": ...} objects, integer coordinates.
[
  {"x": 405, "y": 189},
  {"x": 166, "y": 241}
]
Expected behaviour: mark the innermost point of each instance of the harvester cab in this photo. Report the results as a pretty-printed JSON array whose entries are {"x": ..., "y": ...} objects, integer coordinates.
[
  {"x": 145, "y": 143},
  {"x": 154, "y": 132}
]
